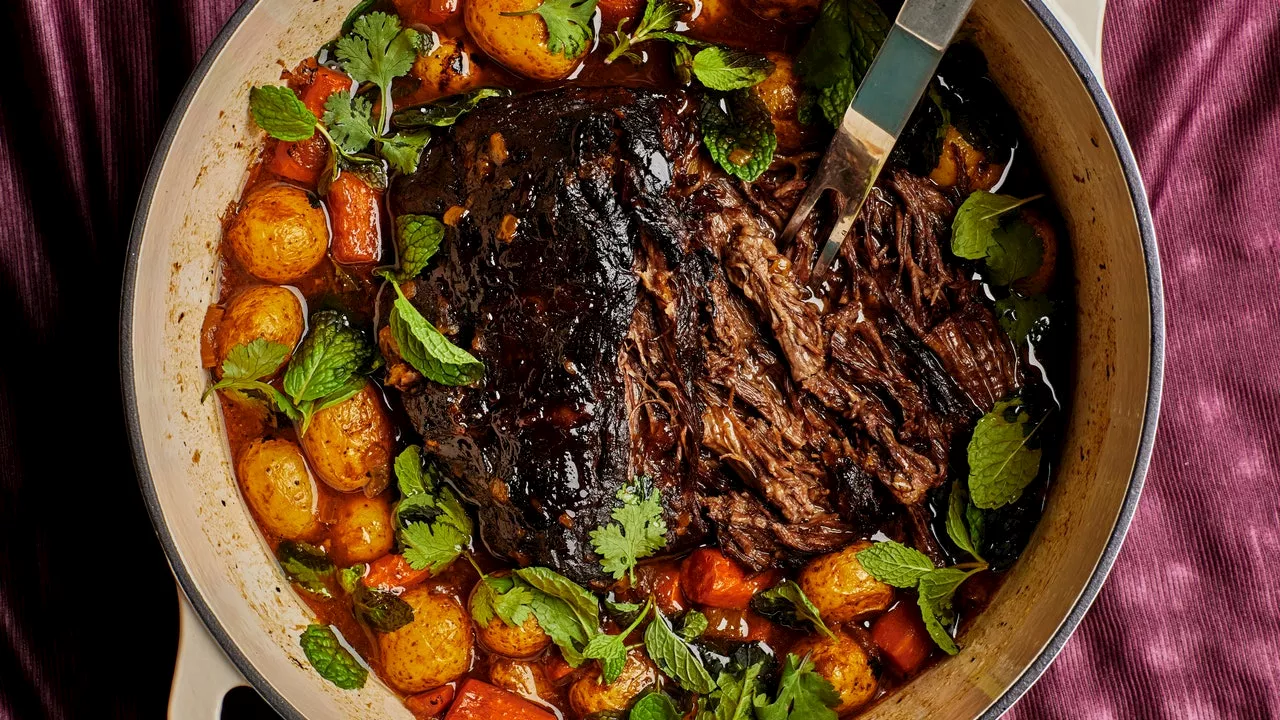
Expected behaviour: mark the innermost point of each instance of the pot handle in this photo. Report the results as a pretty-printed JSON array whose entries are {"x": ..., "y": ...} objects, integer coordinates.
[
  {"x": 203, "y": 674},
  {"x": 1083, "y": 20}
]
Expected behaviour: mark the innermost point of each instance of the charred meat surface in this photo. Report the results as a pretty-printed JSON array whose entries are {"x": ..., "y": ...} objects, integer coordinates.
[{"x": 636, "y": 318}]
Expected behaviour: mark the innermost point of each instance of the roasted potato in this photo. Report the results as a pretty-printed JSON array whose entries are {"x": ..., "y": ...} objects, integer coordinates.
[
  {"x": 523, "y": 678},
  {"x": 280, "y": 489},
  {"x": 845, "y": 663},
  {"x": 434, "y": 649},
  {"x": 279, "y": 234},
  {"x": 263, "y": 311},
  {"x": 588, "y": 695},
  {"x": 519, "y": 42},
  {"x": 363, "y": 530},
  {"x": 350, "y": 444},
  {"x": 448, "y": 69},
  {"x": 780, "y": 93},
  {"x": 961, "y": 164},
  {"x": 524, "y": 641},
  {"x": 841, "y": 589}
]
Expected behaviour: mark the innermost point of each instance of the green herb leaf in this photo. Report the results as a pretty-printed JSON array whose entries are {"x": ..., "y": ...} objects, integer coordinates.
[
  {"x": 562, "y": 624},
  {"x": 568, "y": 24},
  {"x": 349, "y": 121},
  {"x": 674, "y": 656},
  {"x": 738, "y": 132},
  {"x": 787, "y": 603},
  {"x": 433, "y": 545},
  {"x": 1024, "y": 317},
  {"x": 734, "y": 695},
  {"x": 1002, "y": 461},
  {"x": 257, "y": 359},
  {"x": 896, "y": 564},
  {"x": 659, "y": 17},
  {"x": 409, "y": 475},
  {"x": 937, "y": 589},
  {"x": 376, "y": 50},
  {"x": 841, "y": 46},
  {"x": 363, "y": 7},
  {"x": 639, "y": 532},
  {"x": 957, "y": 528},
  {"x": 382, "y": 611},
  {"x": 349, "y": 578},
  {"x": 682, "y": 63},
  {"x": 333, "y": 661},
  {"x": 611, "y": 650},
  {"x": 985, "y": 230},
  {"x": 328, "y": 357},
  {"x": 307, "y": 566},
  {"x": 445, "y": 111},
  {"x": 693, "y": 625},
  {"x": 721, "y": 68},
  {"x": 585, "y": 606},
  {"x": 278, "y": 110},
  {"x": 802, "y": 695},
  {"x": 402, "y": 151},
  {"x": 514, "y": 606},
  {"x": 418, "y": 238},
  {"x": 427, "y": 349},
  {"x": 654, "y": 706}
]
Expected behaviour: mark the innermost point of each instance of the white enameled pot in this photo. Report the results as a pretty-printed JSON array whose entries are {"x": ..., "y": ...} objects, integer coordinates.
[{"x": 1045, "y": 58}]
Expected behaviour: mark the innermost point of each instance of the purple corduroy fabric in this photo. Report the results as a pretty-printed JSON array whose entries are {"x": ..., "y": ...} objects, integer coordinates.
[{"x": 1187, "y": 627}]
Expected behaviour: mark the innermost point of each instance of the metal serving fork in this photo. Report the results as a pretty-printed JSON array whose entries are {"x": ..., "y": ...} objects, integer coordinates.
[{"x": 876, "y": 117}]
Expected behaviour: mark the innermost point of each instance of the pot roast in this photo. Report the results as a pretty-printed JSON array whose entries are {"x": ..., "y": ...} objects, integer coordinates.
[{"x": 636, "y": 319}]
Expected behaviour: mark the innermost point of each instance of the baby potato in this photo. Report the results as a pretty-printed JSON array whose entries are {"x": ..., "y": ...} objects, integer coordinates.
[
  {"x": 279, "y": 488},
  {"x": 841, "y": 589},
  {"x": 588, "y": 695},
  {"x": 519, "y": 42},
  {"x": 350, "y": 444},
  {"x": 279, "y": 234},
  {"x": 961, "y": 164},
  {"x": 434, "y": 649},
  {"x": 845, "y": 663},
  {"x": 264, "y": 311},
  {"x": 524, "y": 641},
  {"x": 363, "y": 531},
  {"x": 780, "y": 93},
  {"x": 447, "y": 70}
]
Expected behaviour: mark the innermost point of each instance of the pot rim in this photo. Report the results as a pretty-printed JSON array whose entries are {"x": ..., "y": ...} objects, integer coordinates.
[{"x": 1047, "y": 654}]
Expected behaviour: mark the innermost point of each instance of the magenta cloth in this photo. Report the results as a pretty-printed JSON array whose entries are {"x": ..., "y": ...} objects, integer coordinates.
[{"x": 1187, "y": 627}]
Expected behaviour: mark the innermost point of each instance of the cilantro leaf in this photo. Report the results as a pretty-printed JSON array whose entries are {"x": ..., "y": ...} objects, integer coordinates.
[
  {"x": 403, "y": 151},
  {"x": 378, "y": 51},
  {"x": 349, "y": 121},
  {"x": 445, "y": 111},
  {"x": 568, "y": 24},
  {"x": 434, "y": 529},
  {"x": 418, "y": 238},
  {"x": 983, "y": 229},
  {"x": 674, "y": 657},
  {"x": 306, "y": 566},
  {"x": 838, "y": 53},
  {"x": 738, "y": 133},
  {"x": 654, "y": 706},
  {"x": 734, "y": 695},
  {"x": 639, "y": 532},
  {"x": 328, "y": 357},
  {"x": 896, "y": 564},
  {"x": 937, "y": 589},
  {"x": 787, "y": 604},
  {"x": 721, "y": 68},
  {"x": 278, "y": 110},
  {"x": 433, "y": 545},
  {"x": 1024, "y": 317},
  {"x": 514, "y": 606},
  {"x": 380, "y": 610},
  {"x": 1002, "y": 461},
  {"x": 802, "y": 695},
  {"x": 957, "y": 526},
  {"x": 427, "y": 349},
  {"x": 659, "y": 17},
  {"x": 333, "y": 661}
]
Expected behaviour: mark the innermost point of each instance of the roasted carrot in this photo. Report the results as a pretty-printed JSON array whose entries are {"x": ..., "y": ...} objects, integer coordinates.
[
  {"x": 425, "y": 12},
  {"x": 392, "y": 571},
  {"x": 325, "y": 83},
  {"x": 661, "y": 581},
  {"x": 708, "y": 577},
  {"x": 901, "y": 634},
  {"x": 302, "y": 161},
  {"x": 482, "y": 701},
  {"x": 556, "y": 669},
  {"x": 430, "y": 704},
  {"x": 353, "y": 216},
  {"x": 740, "y": 626}
]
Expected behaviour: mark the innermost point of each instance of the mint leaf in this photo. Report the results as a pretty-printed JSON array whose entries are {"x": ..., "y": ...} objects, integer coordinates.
[
  {"x": 568, "y": 24},
  {"x": 692, "y": 625},
  {"x": 306, "y": 566},
  {"x": 1002, "y": 461},
  {"x": 611, "y": 650},
  {"x": 349, "y": 120},
  {"x": 838, "y": 53},
  {"x": 984, "y": 229},
  {"x": 787, "y": 604},
  {"x": 1024, "y": 317},
  {"x": 674, "y": 657},
  {"x": 409, "y": 475},
  {"x": 562, "y": 624},
  {"x": 418, "y": 237},
  {"x": 278, "y": 110},
  {"x": 333, "y": 661},
  {"x": 721, "y": 68},
  {"x": 445, "y": 111},
  {"x": 957, "y": 527},
  {"x": 383, "y": 611},
  {"x": 257, "y": 359},
  {"x": 937, "y": 589},
  {"x": 349, "y": 578},
  {"x": 896, "y": 564},
  {"x": 738, "y": 133},
  {"x": 734, "y": 695},
  {"x": 404, "y": 150},
  {"x": 639, "y": 532},
  {"x": 427, "y": 350},
  {"x": 328, "y": 357},
  {"x": 802, "y": 695},
  {"x": 654, "y": 706},
  {"x": 584, "y": 605}
]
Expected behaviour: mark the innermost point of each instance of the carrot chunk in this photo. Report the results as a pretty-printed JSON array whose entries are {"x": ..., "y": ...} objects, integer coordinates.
[
  {"x": 353, "y": 215},
  {"x": 901, "y": 634},
  {"x": 431, "y": 703},
  {"x": 708, "y": 577},
  {"x": 392, "y": 571},
  {"x": 482, "y": 701},
  {"x": 302, "y": 161}
]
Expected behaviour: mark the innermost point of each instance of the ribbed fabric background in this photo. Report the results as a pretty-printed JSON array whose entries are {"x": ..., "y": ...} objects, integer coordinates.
[{"x": 1187, "y": 627}]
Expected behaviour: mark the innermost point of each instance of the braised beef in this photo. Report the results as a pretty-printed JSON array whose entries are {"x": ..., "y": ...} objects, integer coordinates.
[{"x": 636, "y": 318}]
